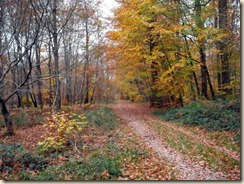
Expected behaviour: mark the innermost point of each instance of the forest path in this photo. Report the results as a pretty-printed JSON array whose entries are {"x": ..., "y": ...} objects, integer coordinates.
[{"x": 136, "y": 115}]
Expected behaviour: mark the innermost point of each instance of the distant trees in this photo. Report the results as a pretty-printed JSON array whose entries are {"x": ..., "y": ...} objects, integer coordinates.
[
  {"x": 51, "y": 53},
  {"x": 176, "y": 51},
  {"x": 18, "y": 38}
]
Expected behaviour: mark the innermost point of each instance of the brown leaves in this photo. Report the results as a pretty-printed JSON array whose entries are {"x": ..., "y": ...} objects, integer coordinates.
[
  {"x": 144, "y": 164},
  {"x": 105, "y": 174},
  {"x": 147, "y": 168},
  {"x": 26, "y": 136}
]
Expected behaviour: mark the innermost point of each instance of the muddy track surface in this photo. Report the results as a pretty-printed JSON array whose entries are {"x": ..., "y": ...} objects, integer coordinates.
[{"x": 136, "y": 115}]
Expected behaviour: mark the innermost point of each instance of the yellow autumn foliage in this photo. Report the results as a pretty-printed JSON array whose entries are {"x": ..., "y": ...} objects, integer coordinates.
[{"x": 62, "y": 126}]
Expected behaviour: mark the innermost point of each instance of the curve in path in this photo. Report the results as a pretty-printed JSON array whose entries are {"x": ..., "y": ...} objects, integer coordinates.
[{"x": 188, "y": 170}]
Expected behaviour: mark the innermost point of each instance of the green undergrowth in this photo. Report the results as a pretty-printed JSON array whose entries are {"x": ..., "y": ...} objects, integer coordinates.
[
  {"x": 98, "y": 167},
  {"x": 18, "y": 164},
  {"x": 15, "y": 159},
  {"x": 214, "y": 116},
  {"x": 103, "y": 117}
]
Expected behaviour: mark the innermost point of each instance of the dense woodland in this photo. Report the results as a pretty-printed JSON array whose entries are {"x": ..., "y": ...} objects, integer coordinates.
[
  {"x": 166, "y": 53},
  {"x": 177, "y": 51}
]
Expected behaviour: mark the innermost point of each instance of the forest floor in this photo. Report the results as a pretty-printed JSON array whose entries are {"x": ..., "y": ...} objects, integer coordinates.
[
  {"x": 188, "y": 166},
  {"x": 147, "y": 147}
]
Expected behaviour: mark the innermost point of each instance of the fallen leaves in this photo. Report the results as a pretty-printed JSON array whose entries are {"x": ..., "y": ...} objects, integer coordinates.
[
  {"x": 148, "y": 165},
  {"x": 182, "y": 140},
  {"x": 26, "y": 136},
  {"x": 139, "y": 161}
]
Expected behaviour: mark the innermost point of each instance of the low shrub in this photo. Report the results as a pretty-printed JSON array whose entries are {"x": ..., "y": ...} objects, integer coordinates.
[
  {"x": 103, "y": 117},
  {"x": 65, "y": 127}
]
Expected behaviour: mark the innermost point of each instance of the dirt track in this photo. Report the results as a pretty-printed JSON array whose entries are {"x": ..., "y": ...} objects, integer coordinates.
[{"x": 136, "y": 115}]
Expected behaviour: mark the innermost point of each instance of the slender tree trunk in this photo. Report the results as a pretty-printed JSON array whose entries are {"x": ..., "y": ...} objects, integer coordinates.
[
  {"x": 33, "y": 99},
  {"x": 56, "y": 57},
  {"x": 195, "y": 80},
  {"x": 218, "y": 65},
  {"x": 86, "y": 97},
  {"x": 193, "y": 72},
  {"x": 19, "y": 97},
  {"x": 210, "y": 84},
  {"x": 27, "y": 93},
  {"x": 224, "y": 56},
  {"x": 68, "y": 95},
  {"x": 39, "y": 76},
  {"x": 7, "y": 119},
  {"x": 202, "y": 50},
  {"x": 204, "y": 69},
  {"x": 50, "y": 75}
]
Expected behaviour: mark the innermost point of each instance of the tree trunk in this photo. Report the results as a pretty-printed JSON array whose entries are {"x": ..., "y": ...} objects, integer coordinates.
[
  {"x": 68, "y": 73},
  {"x": 39, "y": 76},
  {"x": 155, "y": 101},
  {"x": 56, "y": 57},
  {"x": 210, "y": 84},
  {"x": 19, "y": 97},
  {"x": 218, "y": 65},
  {"x": 7, "y": 119},
  {"x": 86, "y": 98},
  {"x": 50, "y": 74},
  {"x": 204, "y": 70},
  {"x": 196, "y": 81},
  {"x": 193, "y": 72},
  {"x": 33, "y": 99},
  {"x": 224, "y": 59},
  {"x": 202, "y": 49}
]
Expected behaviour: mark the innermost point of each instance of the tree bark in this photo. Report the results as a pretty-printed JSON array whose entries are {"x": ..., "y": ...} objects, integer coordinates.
[
  {"x": 7, "y": 119},
  {"x": 202, "y": 49},
  {"x": 39, "y": 76},
  {"x": 56, "y": 57},
  {"x": 224, "y": 56},
  {"x": 50, "y": 74},
  {"x": 68, "y": 72},
  {"x": 86, "y": 98}
]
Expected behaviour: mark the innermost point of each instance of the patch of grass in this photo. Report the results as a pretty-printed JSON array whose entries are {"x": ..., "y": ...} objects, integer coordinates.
[
  {"x": 214, "y": 116},
  {"x": 103, "y": 117}
]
